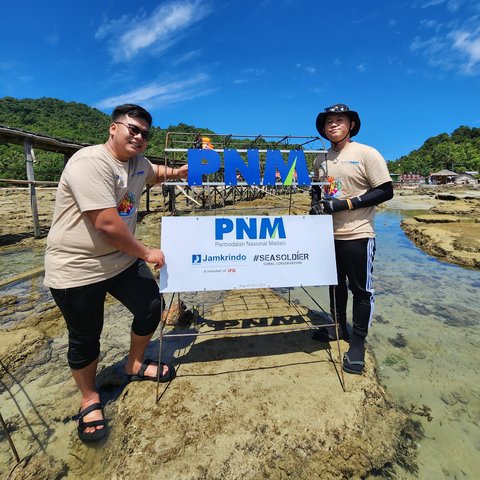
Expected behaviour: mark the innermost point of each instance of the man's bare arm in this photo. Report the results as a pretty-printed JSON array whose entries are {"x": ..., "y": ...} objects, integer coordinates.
[{"x": 118, "y": 235}]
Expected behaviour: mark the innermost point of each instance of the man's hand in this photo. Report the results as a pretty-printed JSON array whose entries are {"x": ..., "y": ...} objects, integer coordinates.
[
  {"x": 182, "y": 172},
  {"x": 332, "y": 205},
  {"x": 156, "y": 256}
]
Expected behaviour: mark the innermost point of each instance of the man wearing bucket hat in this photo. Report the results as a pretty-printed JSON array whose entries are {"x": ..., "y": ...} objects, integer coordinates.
[{"x": 358, "y": 181}]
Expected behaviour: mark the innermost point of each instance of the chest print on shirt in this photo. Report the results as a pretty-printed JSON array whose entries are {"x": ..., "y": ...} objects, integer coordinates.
[
  {"x": 333, "y": 188},
  {"x": 126, "y": 207}
]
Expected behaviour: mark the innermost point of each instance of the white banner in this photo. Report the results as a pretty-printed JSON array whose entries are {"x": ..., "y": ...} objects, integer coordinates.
[{"x": 227, "y": 253}]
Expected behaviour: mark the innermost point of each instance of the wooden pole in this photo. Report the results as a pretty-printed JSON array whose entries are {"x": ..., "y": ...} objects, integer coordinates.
[{"x": 29, "y": 159}]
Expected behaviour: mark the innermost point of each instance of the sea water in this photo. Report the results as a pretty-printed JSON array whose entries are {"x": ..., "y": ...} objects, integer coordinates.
[{"x": 425, "y": 336}]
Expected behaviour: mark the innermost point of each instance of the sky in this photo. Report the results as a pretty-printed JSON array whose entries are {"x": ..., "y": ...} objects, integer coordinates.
[{"x": 410, "y": 68}]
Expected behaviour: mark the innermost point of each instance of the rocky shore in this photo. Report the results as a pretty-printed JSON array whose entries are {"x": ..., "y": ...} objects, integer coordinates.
[
  {"x": 450, "y": 229},
  {"x": 258, "y": 405},
  {"x": 243, "y": 406}
]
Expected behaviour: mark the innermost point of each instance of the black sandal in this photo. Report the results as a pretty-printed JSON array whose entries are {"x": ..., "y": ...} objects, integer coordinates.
[
  {"x": 99, "y": 433},
  {"x": 140, "y": 375}
]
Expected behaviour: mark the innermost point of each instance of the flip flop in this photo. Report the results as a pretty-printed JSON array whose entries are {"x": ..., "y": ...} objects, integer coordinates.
[
  {"x": 352, "y": 366},
  {"x": 96, "y": 435},
  {"x": 140, "y": 375}
]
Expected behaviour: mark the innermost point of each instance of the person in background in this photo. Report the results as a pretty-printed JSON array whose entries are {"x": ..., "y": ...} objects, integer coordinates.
[
  {"x": 92, "y": 250},
  {"x": 358, "y": 180}
]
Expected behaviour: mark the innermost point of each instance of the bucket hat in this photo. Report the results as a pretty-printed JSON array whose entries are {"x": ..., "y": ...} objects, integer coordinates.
[{"x": 338, "y": 108}]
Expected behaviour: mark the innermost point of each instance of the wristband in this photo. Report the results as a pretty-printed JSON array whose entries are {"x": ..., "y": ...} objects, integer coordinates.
[{"x": 349, "y": 203}]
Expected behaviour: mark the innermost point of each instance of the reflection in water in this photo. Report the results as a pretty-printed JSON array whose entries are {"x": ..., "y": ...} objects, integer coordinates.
[
  {"x": 425, "y": 336},
  {"x": 14, "y": 261},
  {"x": 434, "y": 306}
]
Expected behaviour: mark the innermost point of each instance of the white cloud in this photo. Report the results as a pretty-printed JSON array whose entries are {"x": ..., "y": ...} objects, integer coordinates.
[
  {"x": 468, "y": 44},
  {"x": 258, "y": 72},
  {"x": 454, "y": 5},
  {"x": 430, "y": 23},
  {"x": 158, "y": 94},
  {"x": 453, "y": 45},
  {"x": 128, "y": 37},
  {"x": 187, "y": 57},
  {"x": 451, "y": 5},
  {"x": 310, "y": 70},
  {"x": 427, "y": 3},
  {"x": 361, "y": 67}
]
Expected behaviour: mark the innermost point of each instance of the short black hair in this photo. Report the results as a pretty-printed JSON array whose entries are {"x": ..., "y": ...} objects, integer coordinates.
[{"x": 134, "y": 111}]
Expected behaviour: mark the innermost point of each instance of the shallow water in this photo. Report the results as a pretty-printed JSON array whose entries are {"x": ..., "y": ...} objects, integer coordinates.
[
  {"x": 14, "y": 261},
  {"x": 425, "y": 336}
]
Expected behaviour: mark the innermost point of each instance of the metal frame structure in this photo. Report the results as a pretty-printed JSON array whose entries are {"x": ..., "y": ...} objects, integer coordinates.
[{"x": 177, "y": 145}]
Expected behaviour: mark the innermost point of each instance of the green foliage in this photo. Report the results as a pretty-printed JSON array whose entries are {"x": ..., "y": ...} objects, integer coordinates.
[
  {"x": 459, "y": 152},
  {"x": 56, "y": 118},
  {"x": 65, "y": 120}
]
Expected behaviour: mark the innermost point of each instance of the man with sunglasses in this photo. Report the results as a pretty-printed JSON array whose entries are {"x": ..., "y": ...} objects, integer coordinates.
[
  {"x": 358, "y": 181},
  {"x": 92, "y": 251}
]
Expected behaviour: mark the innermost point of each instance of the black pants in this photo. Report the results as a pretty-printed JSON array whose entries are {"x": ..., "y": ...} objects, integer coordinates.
[
  {"x": 354, "y": 260},
  {"x": 83, "y": 307}
]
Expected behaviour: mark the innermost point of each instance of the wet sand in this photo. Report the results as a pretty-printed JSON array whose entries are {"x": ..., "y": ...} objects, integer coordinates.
[{"x": 243, "y": 406}]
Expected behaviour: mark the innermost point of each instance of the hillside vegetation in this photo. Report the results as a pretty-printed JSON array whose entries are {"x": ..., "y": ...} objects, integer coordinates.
[
  {"x": 459, "y": 151},
  {"x": 65, "y": 120}
]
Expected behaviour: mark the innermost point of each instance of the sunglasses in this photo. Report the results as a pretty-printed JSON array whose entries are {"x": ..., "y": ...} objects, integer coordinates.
[
  {"x": 340, "y": 108},
  {"x": 134, "y": 130}
]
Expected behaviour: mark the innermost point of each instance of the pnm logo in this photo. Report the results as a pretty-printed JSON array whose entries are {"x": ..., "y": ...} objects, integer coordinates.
[
  {"x": 196, "y": 259},
  {"x": 253, "y": 228},
  {"x": 205, "y": 161}
]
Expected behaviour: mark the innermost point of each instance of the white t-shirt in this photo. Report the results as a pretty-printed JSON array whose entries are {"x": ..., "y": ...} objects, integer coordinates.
[
  {"x": 351, "y": 172},
  {"x": 77, "y": 254}
]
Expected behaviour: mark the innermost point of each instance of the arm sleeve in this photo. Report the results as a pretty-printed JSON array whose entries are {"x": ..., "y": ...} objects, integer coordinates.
[
  {"x": 316, "y": 194},
  {"x": 375, "y": 196}
]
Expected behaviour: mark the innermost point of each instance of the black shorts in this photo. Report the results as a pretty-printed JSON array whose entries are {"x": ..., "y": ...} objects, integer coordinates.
[{"x": 83, "y": 308}]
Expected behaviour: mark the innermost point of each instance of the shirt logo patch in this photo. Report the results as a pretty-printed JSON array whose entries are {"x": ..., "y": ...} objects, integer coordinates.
[{"x": 126, "y": 208}]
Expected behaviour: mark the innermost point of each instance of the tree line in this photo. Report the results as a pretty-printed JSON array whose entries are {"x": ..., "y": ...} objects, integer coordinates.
[
  {"x": 65, "y": 120},
  {"x": 459, "y": 151}
]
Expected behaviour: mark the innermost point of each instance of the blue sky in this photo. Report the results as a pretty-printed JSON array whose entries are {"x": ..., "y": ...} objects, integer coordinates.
[{"x": 410, "y": 68}]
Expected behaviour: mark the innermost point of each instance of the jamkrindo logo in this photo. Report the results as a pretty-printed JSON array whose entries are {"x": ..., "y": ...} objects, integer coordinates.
[{"x": 198, "y": 259}]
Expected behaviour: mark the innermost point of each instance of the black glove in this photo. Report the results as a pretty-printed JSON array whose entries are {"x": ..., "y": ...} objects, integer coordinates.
[
  {"x": 316, "y": 209},
  {"x": 334, "y": 205}
]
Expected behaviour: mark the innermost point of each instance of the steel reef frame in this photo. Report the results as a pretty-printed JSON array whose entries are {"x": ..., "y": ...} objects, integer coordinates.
[{"x": 177, "y": 145}]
